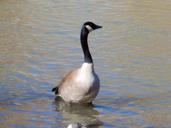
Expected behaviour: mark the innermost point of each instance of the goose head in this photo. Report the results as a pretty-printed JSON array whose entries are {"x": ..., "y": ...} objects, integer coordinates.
[{"x": 90, "y": 26}]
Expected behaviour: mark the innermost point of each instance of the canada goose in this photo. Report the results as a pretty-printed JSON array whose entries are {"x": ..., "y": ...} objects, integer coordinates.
[{"x": 81, "y": 85}]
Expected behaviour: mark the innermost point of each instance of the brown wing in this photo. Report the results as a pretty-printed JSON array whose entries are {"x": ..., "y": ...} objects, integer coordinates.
[{"x": 68, "y": 76}]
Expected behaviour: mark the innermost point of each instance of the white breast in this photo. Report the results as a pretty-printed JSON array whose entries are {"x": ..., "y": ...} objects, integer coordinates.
[{"x": 86, "y": 75}]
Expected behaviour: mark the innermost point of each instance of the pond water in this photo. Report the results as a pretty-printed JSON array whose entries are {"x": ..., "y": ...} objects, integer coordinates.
[{"x": 39, "y": 43}]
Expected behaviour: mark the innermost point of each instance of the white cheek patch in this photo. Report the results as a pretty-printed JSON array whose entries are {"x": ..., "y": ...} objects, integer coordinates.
[{"x": 89, "y": 28}]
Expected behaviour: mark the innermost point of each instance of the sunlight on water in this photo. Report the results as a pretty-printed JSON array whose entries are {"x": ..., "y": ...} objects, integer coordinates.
[{"x": 39, "y": 43}]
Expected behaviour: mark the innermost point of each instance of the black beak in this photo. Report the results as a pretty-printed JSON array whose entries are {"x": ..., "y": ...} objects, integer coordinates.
[{"x": 98, "y": 26}]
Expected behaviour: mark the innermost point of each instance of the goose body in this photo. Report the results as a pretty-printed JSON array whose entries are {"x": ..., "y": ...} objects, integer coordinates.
[{"x": 82, "y": 84}]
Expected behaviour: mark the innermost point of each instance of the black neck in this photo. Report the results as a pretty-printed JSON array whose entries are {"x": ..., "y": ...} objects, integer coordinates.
[{"x": 84, "y": 44}]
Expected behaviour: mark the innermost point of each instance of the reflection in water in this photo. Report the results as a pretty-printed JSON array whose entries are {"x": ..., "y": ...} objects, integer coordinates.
[
  {"x": 39, "y": 42},
  {"x": 83, "y": 114}
]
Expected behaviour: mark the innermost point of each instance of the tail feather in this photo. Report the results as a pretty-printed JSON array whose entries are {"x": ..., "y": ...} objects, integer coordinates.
[{"x": 55, "y": 89}]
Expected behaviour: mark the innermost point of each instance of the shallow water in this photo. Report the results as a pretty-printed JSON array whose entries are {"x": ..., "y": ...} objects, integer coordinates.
[{"x": 39, "y": 43}]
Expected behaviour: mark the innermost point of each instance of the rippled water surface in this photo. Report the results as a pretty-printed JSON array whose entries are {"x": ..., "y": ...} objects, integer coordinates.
[{"x": 39, "y": 43}]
